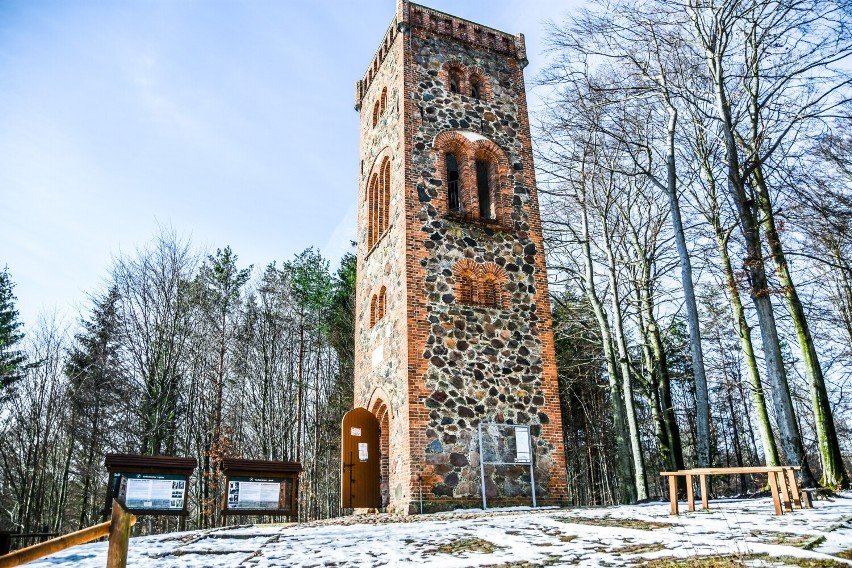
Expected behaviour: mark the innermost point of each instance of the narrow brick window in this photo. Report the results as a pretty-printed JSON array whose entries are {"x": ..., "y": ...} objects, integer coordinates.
[
  {"x": 378, "y": 206},
  {"x": 383, "y": 101},
  {"x": 373, "y": 313},
  {"x": 453, "y": 192},
  {"x": 489, "y": 293},
  {"x": 380, "y": 307},
  {"x": 376, "y": 114},
  {"x": 483, "y": 189},
  {"x": 372, "y": 207},
  {"x": 455, "y": 81},
  {"x": 466, "y": 289},
  {"x": 475, "y": 88}
]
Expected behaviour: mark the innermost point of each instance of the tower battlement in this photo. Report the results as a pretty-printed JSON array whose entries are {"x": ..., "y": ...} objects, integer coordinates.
[{"x": 409, "y": 14}]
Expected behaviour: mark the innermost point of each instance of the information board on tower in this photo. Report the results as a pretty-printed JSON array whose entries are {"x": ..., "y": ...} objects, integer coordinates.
[{"x": 258, "y": 493}]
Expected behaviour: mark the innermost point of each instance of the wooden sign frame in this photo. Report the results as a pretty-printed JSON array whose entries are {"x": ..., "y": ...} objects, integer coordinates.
[
  {"x": 161, "y": 468},
  {"x": 261, "y": 471}
]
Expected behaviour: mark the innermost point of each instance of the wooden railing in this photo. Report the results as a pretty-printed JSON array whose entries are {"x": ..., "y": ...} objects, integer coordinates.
[{"x": 117, "y": 528}]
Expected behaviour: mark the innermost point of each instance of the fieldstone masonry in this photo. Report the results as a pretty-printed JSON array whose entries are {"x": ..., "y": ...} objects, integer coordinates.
[{"x": 466, "y": 336}]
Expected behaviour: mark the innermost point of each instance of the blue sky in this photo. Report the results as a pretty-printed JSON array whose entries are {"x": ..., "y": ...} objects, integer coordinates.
[{"x": 230, "y": 121}]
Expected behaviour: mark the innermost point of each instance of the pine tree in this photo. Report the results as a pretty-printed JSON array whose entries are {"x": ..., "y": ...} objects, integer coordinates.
[
  {"x": 13, "y": 362},
  {"x": 98, "y": 384}
]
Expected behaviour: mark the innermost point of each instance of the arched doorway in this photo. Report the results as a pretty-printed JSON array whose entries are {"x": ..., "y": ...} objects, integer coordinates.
[
  {"x": 382, "y": 414},
  {"x": 360, "y": 457}
]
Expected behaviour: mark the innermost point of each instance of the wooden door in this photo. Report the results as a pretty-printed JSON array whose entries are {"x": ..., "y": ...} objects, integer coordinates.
[{"x": 361, "y": 476}]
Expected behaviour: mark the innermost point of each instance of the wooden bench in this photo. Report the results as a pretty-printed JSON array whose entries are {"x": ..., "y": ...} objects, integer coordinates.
[{"x": 782, "y": 482}]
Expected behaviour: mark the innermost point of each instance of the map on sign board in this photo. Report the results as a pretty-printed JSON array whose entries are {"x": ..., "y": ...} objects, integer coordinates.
[
  {"x": 257, "y": 493},
  {"x": 154, "y": 491},
  {"x": 522, "y": 444},
  {"x": 355, "y": 431},
  {"x": 362, "y": 451}
]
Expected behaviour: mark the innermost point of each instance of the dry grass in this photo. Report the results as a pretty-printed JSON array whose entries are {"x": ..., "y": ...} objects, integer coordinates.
[
  {"x": 639, "y": 548},
  {"x": 739, "y": 561},
  {"x": 787, "y": 539},
  {"x": 471, "y": 544},
  {"x": 617, "y": 523}
]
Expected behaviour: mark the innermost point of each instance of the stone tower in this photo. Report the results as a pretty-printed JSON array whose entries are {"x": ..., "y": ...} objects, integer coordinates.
[{"x": 453, "y": 321}]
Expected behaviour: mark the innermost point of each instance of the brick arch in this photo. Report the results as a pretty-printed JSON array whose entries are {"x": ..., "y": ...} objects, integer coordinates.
[
  {"x": 380, "y": 408},
  {"x": 453, "y": 142},
  {"x": 476, "y": 72},
  {"x": 453, "y": 68},
  {"x": 480, "y": 284},
  {"x": 501, "y": 194},
  {"x": 468, "y": 149},
  {"x": 377, "y": 197}
]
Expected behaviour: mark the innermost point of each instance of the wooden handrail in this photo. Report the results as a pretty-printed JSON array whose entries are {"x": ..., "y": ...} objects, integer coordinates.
[{"x": 120, "y": 517}]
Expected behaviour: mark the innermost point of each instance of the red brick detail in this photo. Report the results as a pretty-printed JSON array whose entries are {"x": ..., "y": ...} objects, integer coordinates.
[
  {"x": 479, "y": 284},
  {"x": 378, "y": 202},
  {"x": 467, "y": 152}
]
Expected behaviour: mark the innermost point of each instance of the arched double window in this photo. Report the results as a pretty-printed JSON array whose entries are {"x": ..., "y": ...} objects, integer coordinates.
[
  {"x": 479, "y": 284},
  {"x": 378, "y": 203},
  {"x": 473, "y": 168},
  {"x": 377, "y": 306}
]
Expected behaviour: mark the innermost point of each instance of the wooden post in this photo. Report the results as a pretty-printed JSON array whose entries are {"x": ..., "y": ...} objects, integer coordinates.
[
  {"x": 119, "y": 535},
  {"x": 690, "y": 495},
  {"x": 773, "y": 484},
  {"x": 704, "y": 497},
  {"x": 794, "y": 486},
  {"x": 673, "y": 493}
]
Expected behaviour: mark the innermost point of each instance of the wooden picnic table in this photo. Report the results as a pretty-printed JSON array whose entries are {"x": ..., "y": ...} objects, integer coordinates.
[{"x": 782, "y": 482}]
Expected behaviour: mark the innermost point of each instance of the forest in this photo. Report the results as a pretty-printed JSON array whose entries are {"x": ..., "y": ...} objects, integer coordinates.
[{"x": 694, "y": 165}]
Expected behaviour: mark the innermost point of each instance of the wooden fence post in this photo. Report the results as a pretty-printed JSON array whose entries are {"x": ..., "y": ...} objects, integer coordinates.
[{"x": 119, "y": 535}]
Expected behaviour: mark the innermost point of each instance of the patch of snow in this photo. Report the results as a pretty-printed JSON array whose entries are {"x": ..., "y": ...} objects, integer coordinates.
[{"x": 560, "y": 537}]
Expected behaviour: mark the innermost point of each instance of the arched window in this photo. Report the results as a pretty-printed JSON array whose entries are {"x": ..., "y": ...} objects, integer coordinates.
[
  {"x": 466, "y": 286},
  {"x": 455, "y": 81},
  {"x": 383, "y": 101},
  {"x": 372, "y": 206},
  {"x": 453, "y": 190},
  {"x": 475, "y": 88},
  {"x": 484, "y": 184},
  {"x": 489, "y": 292},
  {"x": 378, "y": 206},
  {"x": 380, "y": 309},
  {"x": 375, "y": 114}
]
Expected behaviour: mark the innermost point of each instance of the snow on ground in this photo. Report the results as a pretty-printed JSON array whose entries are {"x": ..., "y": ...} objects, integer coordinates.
[{"x": 610, "y": 536}]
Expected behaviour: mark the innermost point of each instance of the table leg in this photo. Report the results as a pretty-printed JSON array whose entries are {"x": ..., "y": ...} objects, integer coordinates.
[
  {"x": 773, "y": 484},
  {"x": 690, "y": 496},
  {"x": 794, "y": 487},
  {"x": 782, "y": 489},
  {"x": 704, "y": 496},
  {"x": 673, "y": 493}
]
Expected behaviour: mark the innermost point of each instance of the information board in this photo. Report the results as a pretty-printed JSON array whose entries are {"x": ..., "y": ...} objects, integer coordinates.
[
  {"x": 152, "y": 491},
  {"x": 258, "y": 493},
  {"x": 522, "y": 444}
]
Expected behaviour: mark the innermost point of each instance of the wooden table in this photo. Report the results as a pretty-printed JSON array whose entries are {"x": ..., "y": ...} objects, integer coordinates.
[{"x": 782, "y": 481}]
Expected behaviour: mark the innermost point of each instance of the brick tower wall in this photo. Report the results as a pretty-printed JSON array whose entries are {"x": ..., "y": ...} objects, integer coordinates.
[
  {"x": 450, "y": 364},
  {"x": 381, "y": 349}
]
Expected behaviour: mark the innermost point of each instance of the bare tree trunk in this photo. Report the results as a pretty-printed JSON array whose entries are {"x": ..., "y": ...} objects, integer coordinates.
[
  {"x": 625, "y": 474},
  {"x": 833, "y": 472}
]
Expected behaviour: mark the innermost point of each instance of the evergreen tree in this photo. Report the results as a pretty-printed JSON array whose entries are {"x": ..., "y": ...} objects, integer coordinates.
[
  {"x": 12, "y": 360},
  {"x": 98, "y": 385}
]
